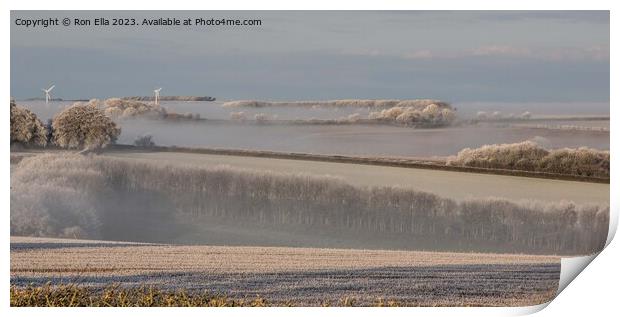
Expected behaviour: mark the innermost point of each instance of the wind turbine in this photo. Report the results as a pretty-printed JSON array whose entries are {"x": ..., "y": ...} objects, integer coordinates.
[
  {"x": 47, "y": 94},
  {"x": 156, "y": 91}
]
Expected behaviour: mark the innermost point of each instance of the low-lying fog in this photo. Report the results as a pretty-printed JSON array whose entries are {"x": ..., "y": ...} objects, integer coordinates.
[
  {"x": 371, "y": 140},
  {"x": 213, "y": 110},
  {"x": 376, "y": 140}
]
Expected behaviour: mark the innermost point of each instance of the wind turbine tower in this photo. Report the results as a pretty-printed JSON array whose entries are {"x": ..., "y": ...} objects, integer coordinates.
[
  {"x": 156, "y": 91},
  {"x": 47, "y": 94}
]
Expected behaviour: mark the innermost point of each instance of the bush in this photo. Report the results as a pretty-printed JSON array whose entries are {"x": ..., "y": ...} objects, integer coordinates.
[
  {"x": 117, "y": 108},
  {"x": 238, "y": 116},
  {"x": 144, "y": 141},
  {"x": 113, "y": 112},
  {"x": 530, "y": 156},
  {"x": 352, "y": 118},
  {"x": 26, "y": 128},
  {"x": 129, "y": 112},
  {"x": 581, "y": 161},
  {"x": 261, "y": 118},
  {"x": 431, "y": 115},
  {"x": 84, "y": 126}
]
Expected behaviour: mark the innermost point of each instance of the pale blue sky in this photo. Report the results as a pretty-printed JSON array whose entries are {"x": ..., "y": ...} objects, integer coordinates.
[{"x": 450, "y": 55}]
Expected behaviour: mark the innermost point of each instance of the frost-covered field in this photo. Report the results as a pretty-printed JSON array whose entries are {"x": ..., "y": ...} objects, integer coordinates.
[
  {"x": 302, "y": 276},
  {"x": 456, "y": 185}
]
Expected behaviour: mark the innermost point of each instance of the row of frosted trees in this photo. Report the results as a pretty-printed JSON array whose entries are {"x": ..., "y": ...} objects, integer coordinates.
[
  {"x": 291, "y": 202},
  {"x": 529, "y": 156}
]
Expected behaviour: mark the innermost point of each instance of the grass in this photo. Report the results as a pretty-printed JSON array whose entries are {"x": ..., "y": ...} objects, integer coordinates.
[{"x": 70, "y": 295}]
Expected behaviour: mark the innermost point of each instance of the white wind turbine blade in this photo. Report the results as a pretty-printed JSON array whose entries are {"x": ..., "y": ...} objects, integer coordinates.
[{"x": 50, "y": 89}]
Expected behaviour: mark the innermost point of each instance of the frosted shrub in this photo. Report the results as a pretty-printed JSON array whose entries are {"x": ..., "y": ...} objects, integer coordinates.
[
  {"x": 129, "y": 112},
  {"x": 526, "y": 115},
  {"x": 114, "y": 103},
  {"x": 84, "y": 126},
  {"x": 26, "y": 128},
  {"x": 144, "y": 141},
  {"x": 355, "y": 117},
  {"x": 430, "y": 115},
  {"x": 113, "y": 112},
  {"x": 374, "y": 115},
  {"x": 409, "y": 116},
  {"x": 530, "y": 156},
  {"x": 431, "y": 110},
  {"x": 352, "y": 118},
  {"x": 501, "y": 156},
  {"x": 117, "y": 108},
  {"x": 497, "y": 115},
  {"x": 261, "y": 117},
  {"x": 447, "y": 115},
  {"x": 582, "y": 161},
  {"x": 238, "y": 116},
  {"x": 392, "y": 113}
]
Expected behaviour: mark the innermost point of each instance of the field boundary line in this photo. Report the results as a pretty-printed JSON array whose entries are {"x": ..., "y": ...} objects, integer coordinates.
[{"x": 377, "y": 161}]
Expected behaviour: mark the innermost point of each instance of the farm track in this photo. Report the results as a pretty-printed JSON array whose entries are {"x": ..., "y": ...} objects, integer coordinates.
[{"x": 301, "y": 276}]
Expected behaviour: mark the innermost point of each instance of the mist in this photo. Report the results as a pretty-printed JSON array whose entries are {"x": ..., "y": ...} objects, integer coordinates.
[{"x": 71, "y": 195}]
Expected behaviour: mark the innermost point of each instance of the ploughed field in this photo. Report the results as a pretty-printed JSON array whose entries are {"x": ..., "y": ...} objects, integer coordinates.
[
  {"x": 455, "y": 185},
  {"x": 290, "y": 276}
]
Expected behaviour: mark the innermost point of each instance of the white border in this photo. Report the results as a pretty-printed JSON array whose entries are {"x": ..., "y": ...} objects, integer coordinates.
[{"x": 594, "y": 291}]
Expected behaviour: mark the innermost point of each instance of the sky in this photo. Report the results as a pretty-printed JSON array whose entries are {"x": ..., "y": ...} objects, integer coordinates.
[{"x": 466, "y": 56}]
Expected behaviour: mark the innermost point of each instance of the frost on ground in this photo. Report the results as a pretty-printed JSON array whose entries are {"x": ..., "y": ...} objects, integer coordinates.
[{"x": 300, "y": 276}]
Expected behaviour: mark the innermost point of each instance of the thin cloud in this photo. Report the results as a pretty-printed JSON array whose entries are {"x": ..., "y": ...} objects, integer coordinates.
[
  {"x": 500, "y": 50},
  {"x": 565, "y": 54}
]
